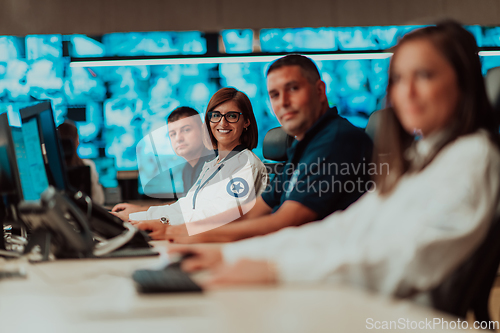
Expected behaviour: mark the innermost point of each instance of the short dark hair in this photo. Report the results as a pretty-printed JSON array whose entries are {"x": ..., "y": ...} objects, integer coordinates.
[
  {"x": 181, "y": 112},
  {"x": 250, "y": 136},
  {"x": 308, "y": 67}
]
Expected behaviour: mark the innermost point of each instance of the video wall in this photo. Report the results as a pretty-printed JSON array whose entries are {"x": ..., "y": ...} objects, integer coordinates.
[{"x": 114, "y": 107}]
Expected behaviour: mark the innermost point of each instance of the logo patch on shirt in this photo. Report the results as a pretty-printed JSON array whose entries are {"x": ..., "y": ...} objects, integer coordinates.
[
  {"x": 293, "y": 181},
  {"x": 237, "y": 187}
]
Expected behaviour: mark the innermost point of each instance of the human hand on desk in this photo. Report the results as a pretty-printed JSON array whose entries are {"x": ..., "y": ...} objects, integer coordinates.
[
  {"x": 179, "y": 234},
  {"x": 244, "y": 271},
  {"x": 155, "y": 226},
  {"x": 122, "y": 216},
  {"x": 125, "y": 209},
  {"x": 203, "y": 256},
  {"x": 210, "y": 257}
]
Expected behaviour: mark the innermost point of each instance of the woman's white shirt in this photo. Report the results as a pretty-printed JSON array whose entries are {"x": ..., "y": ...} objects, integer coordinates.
[
  {"x": 407, "y": 240},
  {"x": 220, "y": 187}
]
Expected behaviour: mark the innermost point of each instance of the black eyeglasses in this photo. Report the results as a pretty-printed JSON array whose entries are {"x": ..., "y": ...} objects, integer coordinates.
[{"x": 231, "y": 116}]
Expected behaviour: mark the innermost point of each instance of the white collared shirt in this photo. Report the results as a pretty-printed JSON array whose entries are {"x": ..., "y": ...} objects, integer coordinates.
[
  {"x": 410, "y": 239},
  {"x": 214, "y": 190}
]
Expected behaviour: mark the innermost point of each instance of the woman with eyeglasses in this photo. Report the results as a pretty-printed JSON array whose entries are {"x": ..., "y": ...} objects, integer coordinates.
[{"x": 230, "y": 182}]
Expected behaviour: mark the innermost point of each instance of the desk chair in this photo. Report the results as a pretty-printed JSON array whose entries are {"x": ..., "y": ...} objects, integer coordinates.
[
  {"x": 79, "y": 177},
  {"x": 373, "y": 123},
  {"x": 468, "y": 288},
  {"x": 276, "y": 143},
  {"x": 492, "y": 82}
]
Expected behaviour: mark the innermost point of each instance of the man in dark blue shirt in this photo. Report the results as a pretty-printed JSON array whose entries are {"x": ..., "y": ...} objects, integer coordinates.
[
  {"x": 324, "y": 170},
  {"x": 326, "y": 163}
]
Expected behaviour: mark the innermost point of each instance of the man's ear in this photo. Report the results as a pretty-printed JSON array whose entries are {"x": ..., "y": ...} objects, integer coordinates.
[{"x": 321, "y": 90}]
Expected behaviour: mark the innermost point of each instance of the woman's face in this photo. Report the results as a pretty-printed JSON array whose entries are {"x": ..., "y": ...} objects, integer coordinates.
[
  {"x": 228, "y": 134},
  {"x": 425, "y": 92}
]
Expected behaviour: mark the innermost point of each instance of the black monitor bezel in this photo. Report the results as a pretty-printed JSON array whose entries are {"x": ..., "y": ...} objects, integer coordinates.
[
  {"x": 33, "y": 111},
  {"x": 6, "y": 133}
]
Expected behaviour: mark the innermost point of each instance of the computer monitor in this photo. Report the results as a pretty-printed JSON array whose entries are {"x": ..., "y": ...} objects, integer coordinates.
[
  {"x": 29, "y": 157},
  {"x": 49, "y": 139},
  {"x": 22, "y": 165},
  {"x": 10, "y": 183}
]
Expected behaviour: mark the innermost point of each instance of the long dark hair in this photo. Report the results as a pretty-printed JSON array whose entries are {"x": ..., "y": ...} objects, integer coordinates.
[
  {"x": 249, "y": 137},
  {"x": 68, "y": 131},
  {"x": 474, "y": 111}
]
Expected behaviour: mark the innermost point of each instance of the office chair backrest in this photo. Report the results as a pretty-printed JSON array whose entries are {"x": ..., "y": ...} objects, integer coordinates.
[
  {"x": 468, "y": 288},
  {"x": 79, "y": 178},
  {"x": 492, "y": 82},
  {"x": 276, "y": 143},
  {"x": 373, "y": 123}
]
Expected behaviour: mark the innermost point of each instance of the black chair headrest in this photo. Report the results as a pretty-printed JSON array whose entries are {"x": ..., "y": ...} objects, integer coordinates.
[
  {"x": 276, "y": 143},
  {"x": 492, "y": 82},
  {"x": 374, "y": 123}
]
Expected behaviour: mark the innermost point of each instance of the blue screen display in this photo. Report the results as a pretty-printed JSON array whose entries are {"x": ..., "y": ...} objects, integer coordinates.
[
  {"x": 123, "y": 104},
  {"x": 298, "y": 39},
  {"x": 237, "y": 41},
  {"x": 154, "y": 43},
  {"x": 31, "y": 165},
  {"x": 107, "y": 171}
]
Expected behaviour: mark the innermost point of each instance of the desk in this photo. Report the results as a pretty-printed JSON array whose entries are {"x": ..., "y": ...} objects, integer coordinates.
[{"x": 99, "y": 296}]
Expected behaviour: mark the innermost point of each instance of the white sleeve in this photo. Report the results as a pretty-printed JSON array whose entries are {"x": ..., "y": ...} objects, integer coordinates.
[
  {"x": 173, "y": 212},
  {"x": 303, "y": 238},
  {"x": 414, "y": 252}
]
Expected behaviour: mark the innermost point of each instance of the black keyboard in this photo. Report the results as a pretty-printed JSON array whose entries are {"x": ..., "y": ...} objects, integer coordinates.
[
  {"x": 127, "y": 253},
  {"x": 168, "y": 280}
]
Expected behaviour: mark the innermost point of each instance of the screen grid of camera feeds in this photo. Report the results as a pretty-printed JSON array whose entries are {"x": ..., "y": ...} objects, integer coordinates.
[{"x": 114, "y": 107}]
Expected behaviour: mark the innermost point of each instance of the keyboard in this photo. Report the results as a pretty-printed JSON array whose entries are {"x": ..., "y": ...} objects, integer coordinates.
[
  {"x": 168, "y": 280},
  {"x": 127, "y": 253}
]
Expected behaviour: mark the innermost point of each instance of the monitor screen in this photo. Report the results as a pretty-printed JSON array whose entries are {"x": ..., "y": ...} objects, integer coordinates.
[
  {"x": 29, "y": 159},
  {"x": 42, "y": 113}
]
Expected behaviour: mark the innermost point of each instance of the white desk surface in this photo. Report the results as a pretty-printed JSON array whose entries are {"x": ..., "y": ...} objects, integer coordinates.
[{"x": 99, "y": 296}]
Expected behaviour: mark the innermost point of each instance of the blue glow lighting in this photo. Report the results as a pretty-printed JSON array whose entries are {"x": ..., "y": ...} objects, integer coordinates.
[
  {"x": 126, "y": 99},
  {"x": 298, "y": 39},
  {"x": 83, "y": 46},
  {"x": 131, "y": 44},
  {"x": 237, "y": 41}
]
